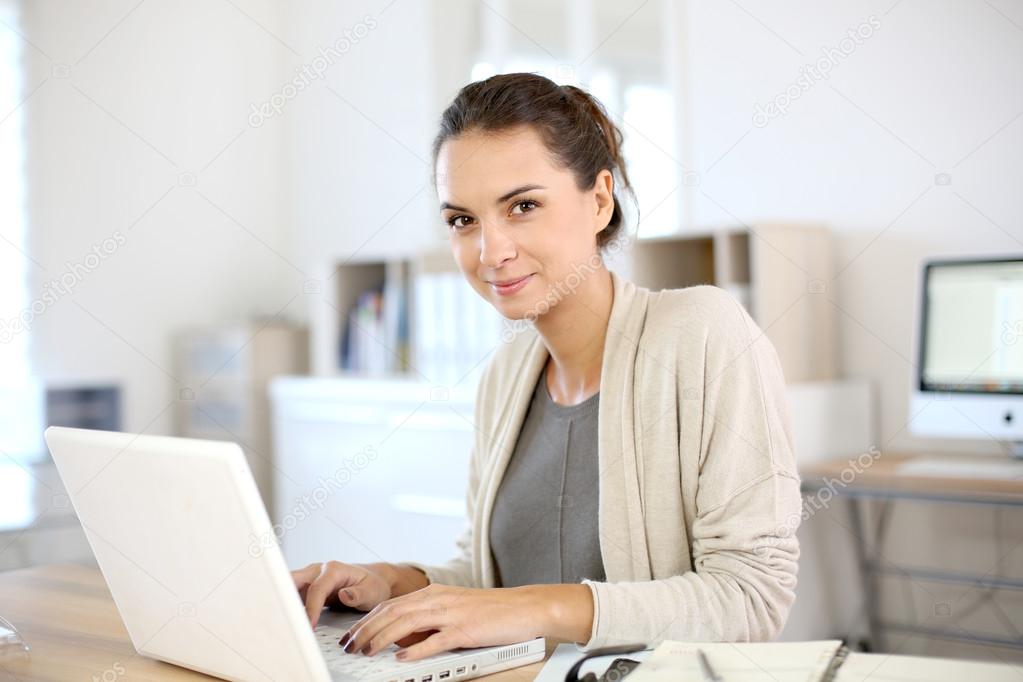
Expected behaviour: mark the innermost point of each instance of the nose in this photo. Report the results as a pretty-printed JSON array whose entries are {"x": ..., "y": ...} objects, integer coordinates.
[{"x": 495, "y": 245}]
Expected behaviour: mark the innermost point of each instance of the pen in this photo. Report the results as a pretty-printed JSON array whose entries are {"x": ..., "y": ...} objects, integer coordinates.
[{"x": 708, "y": 673}]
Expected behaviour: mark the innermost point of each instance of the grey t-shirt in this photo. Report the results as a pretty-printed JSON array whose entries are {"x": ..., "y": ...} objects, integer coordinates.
[{"x": 543, "y": 528}]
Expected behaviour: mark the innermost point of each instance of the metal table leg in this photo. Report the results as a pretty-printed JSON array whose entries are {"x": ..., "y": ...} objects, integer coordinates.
[{"x": 868, "y": 577}]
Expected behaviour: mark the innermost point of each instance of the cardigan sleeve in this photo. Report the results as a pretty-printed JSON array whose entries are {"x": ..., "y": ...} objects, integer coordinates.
[
  {"x": 748, "y": 505},
  {"x": 458, "y": 570}
]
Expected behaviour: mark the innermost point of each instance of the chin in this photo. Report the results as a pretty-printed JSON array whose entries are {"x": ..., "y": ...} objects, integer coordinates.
[{"x": 525, "y": 309}]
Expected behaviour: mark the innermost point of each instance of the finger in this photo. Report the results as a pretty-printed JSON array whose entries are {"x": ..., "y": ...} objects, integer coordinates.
[
  {"x": 304, "y": 576},
  {"x": 355, "y": 597},
  {"x": 402, "y": 627},
  {"x": 399, "y": 603},
  {"x": 414, "y": 638},
  {"x": 444, "y": 640},
  {"x": 321, "y": 589},
  {"x": 360, "y": 634}
]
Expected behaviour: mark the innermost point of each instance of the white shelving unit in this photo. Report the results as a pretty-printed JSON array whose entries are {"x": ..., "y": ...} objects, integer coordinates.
[
  {"x": 226, "y": 370},
  {"x": 779, "y": 272}
]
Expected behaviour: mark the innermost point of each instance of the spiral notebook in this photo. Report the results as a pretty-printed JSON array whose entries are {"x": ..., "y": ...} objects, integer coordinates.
[
  {"x": 778, "y": 661},
  {"x": 820, "y": 661}
]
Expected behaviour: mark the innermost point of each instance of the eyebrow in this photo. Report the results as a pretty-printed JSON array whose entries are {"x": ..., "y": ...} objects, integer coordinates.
[{"x": 500, "y": 200}]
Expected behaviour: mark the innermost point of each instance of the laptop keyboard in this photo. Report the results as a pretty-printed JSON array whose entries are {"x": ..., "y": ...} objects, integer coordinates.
[{"x": 381, "y": 664}]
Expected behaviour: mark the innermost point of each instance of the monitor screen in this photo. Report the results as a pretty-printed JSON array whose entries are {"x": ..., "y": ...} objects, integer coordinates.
[{"x": 972, "y": 327}]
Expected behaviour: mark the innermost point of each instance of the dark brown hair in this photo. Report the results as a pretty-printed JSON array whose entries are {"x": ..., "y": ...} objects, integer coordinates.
[{"x": 572, "y": 123}]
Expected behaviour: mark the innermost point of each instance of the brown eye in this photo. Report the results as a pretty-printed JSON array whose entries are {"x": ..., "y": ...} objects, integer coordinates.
[
  {"x": 526, "y": 202},
  {"x": 453, "y": 221}
]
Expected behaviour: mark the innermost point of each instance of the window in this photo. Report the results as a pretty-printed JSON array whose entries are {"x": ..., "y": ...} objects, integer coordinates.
[
  {"x": 13, "y": 271},
  {"x": 20, "y": 400}
]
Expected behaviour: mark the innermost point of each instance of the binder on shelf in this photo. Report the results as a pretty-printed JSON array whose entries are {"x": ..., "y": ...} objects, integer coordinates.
[{"x": 415, "y": 316}]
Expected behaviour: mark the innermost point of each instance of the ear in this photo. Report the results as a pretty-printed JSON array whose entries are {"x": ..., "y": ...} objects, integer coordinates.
[{"x": 604, "y": 203}]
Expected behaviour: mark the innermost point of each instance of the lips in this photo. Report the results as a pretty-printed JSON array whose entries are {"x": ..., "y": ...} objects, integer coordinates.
[
  {"x": 509, "y": 282},
  {"x": 510, "y": 286}
]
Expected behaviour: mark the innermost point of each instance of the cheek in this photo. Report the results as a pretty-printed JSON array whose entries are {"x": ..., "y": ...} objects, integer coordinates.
[
  {"x": 466, "y": 254},
  {"x": 564, "y": 237}
]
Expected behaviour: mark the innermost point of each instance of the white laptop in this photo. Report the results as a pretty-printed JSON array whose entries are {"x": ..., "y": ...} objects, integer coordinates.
[{"x": 172, "y": 522}]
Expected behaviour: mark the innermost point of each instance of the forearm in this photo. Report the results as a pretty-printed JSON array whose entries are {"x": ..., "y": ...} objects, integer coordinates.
[
  {"x": 565, "y": 611},
  {"x": 402, "y": 579}
]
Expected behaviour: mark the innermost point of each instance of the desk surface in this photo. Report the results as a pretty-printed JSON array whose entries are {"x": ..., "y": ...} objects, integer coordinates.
[
  {"x": 67, "y": 617},
  {"x": 882, "y": 475}
]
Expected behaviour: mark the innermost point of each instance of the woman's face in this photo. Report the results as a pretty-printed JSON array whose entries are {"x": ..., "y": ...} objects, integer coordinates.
[{"x": 514, "y": 216}]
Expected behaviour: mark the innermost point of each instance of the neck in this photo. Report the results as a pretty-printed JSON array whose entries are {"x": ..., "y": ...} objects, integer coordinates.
[{"x": 574, "y": 332}]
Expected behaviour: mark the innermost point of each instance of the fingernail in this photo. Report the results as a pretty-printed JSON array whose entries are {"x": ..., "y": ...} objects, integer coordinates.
[
  {"x": 348, "y": 645},
  {"x": 344, "y": 638},
  {"x": 401, "y": 655},
  {"x": 349, "y": 595}
]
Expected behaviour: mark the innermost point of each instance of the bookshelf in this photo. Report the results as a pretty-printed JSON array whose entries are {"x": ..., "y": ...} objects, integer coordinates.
[
  {"x": 779, "y": 272},
  {"x": 430, "y": 325}
]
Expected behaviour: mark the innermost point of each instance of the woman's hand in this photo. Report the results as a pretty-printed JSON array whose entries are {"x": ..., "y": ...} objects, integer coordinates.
[
  {"x": 334, "y": 583},
  {"x": 441, "y": 617}
]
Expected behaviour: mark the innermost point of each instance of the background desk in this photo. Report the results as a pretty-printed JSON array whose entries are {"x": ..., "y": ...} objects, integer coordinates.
[
  {"x": 882, "y": 480},
  {"x": 69, "y": 620}
]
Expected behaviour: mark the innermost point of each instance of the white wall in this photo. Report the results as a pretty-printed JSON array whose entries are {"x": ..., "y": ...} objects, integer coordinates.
[
  {"x": 152, "y": 92},
  {"x": 338, "y": 169},
  {"x": 935, "y": 89},
  {"x": 358, "y": 142}
]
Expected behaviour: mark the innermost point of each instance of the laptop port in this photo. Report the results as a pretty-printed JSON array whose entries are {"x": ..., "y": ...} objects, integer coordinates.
[
  {"x": 460, "y": 670},
  {"x": 426, "y": 678},
  {"x": 444, "y": 675}
]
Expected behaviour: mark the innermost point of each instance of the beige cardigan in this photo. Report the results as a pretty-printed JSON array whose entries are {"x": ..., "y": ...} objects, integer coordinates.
[{"x": 699, "y": 495}]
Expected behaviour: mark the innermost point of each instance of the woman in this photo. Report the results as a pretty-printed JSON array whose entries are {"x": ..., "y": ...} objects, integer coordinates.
[{"x": 632, "y": 477}]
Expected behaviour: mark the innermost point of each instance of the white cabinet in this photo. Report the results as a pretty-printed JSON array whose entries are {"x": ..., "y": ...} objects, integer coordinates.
[{"x": 369, "y": 470}]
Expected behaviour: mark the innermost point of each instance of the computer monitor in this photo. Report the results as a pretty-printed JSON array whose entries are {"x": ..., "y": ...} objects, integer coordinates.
[{"x": 968, "y": 377}]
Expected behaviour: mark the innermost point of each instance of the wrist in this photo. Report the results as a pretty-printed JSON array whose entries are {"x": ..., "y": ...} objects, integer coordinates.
[
  {"x": 387, "y": 572},
  {"x": 565, "y": 611}
]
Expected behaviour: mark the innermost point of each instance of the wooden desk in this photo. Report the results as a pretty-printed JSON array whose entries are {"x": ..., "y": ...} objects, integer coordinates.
[
  {"x": 67, "y": 617},
  {"x": 880, "y": 478}
]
